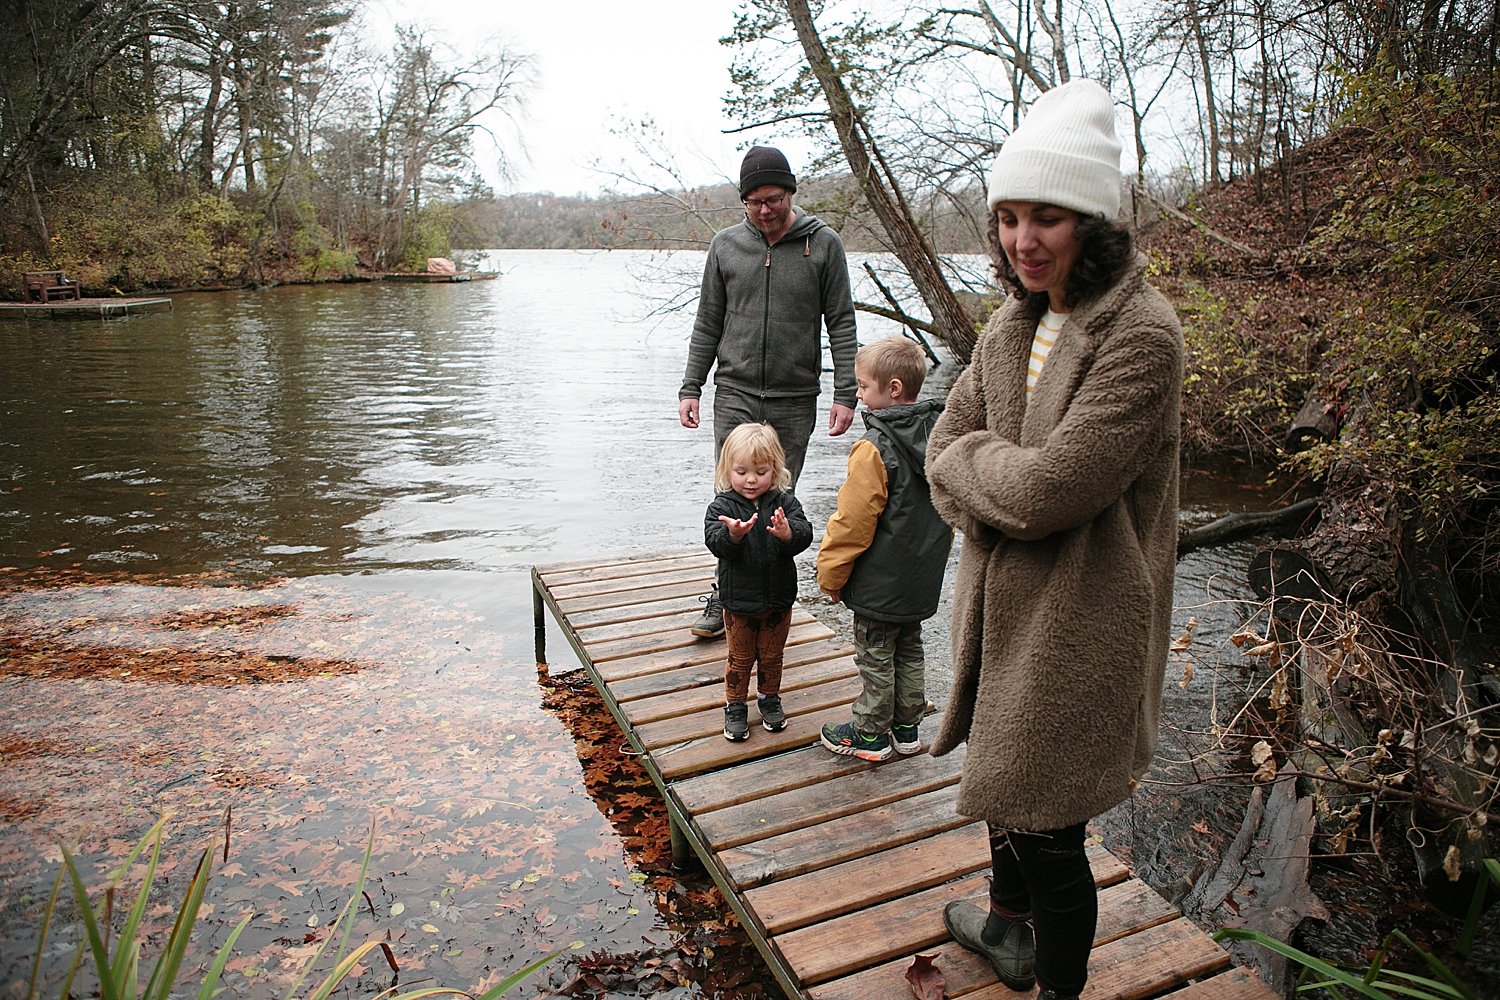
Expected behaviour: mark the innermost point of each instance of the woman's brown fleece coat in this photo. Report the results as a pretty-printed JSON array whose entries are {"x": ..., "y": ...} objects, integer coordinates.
[{"x": 1063, "y": 601}]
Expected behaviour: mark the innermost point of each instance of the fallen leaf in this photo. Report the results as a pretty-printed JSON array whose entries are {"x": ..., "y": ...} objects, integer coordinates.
[{"x": 925, "y": 978}]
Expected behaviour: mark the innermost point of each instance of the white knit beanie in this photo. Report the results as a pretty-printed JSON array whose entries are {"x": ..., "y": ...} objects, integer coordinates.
[{"x": 1063, "y": 153}]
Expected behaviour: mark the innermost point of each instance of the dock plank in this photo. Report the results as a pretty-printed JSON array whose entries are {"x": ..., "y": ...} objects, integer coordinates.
[
  {"x": 914, "y": 923},
  {"x": 809, "y": 848},
  {"x": 807, "y": 663},
  {"x": 806, "y": 805}
]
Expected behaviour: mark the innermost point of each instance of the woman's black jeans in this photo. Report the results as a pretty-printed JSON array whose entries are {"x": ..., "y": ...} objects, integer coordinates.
[{"x": 1048, "y": 875}]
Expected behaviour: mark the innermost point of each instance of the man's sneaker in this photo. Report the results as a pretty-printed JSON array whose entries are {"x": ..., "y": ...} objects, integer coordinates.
[
  {"x": 736, "y": 721},
  {"x": 710, "y": 623},
  {"x": 771, "y": 715},
  {"x": 845, "y": 739},
  {"x": 906, "y": 739},
  {"x": 1013, "y": 959}
]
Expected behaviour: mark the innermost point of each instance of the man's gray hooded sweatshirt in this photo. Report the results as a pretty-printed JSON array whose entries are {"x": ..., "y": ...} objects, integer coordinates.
[{"x": 762, "y": 309}]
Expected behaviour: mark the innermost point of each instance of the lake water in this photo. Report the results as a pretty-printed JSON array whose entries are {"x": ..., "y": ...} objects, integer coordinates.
[{"x": 270, "y": 551}]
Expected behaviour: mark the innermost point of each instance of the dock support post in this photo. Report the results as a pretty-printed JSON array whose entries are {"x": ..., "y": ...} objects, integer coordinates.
[
  {"x": 539, "y": 618},
  {"x": 682, "y": 851}
]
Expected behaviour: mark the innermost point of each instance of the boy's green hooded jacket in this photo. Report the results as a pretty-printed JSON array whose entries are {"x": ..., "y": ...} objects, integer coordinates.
[{"x": 762, "y": 310}]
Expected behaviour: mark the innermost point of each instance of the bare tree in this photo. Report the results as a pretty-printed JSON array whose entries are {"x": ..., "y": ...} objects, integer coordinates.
[
  {"x": 951, "y": 321},
  {"x": 427, "y": 113}
]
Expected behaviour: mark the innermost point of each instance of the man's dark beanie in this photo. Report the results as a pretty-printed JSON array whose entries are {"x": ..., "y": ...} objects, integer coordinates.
[{"x": 765, "y": 165}]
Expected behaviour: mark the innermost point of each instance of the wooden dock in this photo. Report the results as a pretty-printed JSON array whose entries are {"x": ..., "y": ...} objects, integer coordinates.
[
  {"x": 837, "y": 868},
  {"x": 439, "y": 277},
  {"x": 85, "y": 308}
]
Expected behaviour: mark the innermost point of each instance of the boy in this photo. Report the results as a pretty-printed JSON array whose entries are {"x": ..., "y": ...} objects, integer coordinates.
[{"x": 884, "y": 552}]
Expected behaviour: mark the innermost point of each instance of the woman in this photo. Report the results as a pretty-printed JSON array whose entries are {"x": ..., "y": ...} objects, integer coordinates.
[{"x": 1056, "y": 456}]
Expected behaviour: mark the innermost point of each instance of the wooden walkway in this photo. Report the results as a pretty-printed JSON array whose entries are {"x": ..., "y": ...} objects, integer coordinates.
[
  {"x": 837, "y": 868},
  {"x": 97, "y": 308}
]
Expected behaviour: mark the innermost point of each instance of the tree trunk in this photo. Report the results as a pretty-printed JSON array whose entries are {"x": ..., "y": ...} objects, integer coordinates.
[
  {"x": 952, "y": 323},
  {"x": 1214, "y": 150},
  {"x": 208, "y": 135},
  {"x": 1315, "y": 423},
  {"x": 1261, "y": 881}
]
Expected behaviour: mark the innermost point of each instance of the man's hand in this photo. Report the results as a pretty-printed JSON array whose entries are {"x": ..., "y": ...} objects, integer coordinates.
[
  {"x": 739, "y": 529},
  {"x": 687, "y": 412},
  {"x": 839, "y": 419},
  {"x": 833, "y": 595},
  {"x": 780, "y": 528}
]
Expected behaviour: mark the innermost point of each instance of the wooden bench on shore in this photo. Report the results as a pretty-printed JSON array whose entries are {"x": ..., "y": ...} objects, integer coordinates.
[
  {"x": 43, "y": 286},
  {"x": 838, "y": 869}
]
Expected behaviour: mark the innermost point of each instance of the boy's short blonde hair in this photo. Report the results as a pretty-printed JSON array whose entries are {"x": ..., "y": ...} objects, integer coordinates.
[
  {"x": 758, "y": 443},
  {"x": 894, "y": 357}
]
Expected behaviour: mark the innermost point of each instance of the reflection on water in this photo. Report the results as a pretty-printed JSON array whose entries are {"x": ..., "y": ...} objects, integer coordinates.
[{"x": 388, "y": 462}]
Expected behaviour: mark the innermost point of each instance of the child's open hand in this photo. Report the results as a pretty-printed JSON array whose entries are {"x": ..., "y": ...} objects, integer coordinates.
[
  {"x": 779, "y": 527},
  {"x": 739, "y": 529}
]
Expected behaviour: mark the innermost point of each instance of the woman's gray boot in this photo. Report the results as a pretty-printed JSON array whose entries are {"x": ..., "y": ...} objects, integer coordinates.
[
  {"x": 1050, "y": 994},
  {"x": 1014, "y": 958}
]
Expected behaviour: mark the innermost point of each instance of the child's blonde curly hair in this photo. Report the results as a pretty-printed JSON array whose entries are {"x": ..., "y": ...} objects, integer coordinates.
[{"x": 755, "y": 443}]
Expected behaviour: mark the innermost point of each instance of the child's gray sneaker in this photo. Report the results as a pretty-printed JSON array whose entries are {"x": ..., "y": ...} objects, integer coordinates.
[
  {"x": 771, "y": 715},
  {"x": 906, "y": 739},
  {"x": 736, "y": 721}
]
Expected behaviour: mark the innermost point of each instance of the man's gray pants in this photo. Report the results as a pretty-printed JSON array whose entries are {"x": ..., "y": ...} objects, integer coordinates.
[{"x": 791, "y": 417}]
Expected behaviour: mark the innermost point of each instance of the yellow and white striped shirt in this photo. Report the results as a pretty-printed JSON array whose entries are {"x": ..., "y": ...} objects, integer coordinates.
[{"x": 1047, "y": 329}]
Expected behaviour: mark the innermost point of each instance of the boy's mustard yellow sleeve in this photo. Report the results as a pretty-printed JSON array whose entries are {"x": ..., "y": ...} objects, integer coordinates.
[{"x": 850, "y": 530}]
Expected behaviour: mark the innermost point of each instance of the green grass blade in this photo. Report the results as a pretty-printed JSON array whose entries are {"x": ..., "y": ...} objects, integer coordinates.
[
  {"x": 67, "y": 986},
  {"x": 107, "y": 988},
  {"x": 41, "y": 944},
  {"x": 210, "y": 983},
  {"x": 127, "y": 954},
  {"x": 1329, "y": 972},
  {"x": 342, "y": 970},
  {"x": 341, "y": 927},
  {"x": 150, "y": 835},
  {"x": 516, "y": 977},
  {"x": 351, "y": 908},
  {"x": 164, "y": 975},
  {"x": 1445, "y": 976}
]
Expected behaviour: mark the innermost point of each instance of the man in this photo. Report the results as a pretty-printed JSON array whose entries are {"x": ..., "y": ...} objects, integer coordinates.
[{"x": 770, "y": 285}]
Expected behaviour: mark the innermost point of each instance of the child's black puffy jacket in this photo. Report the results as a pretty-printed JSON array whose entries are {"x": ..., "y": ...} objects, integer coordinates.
[{"x": 756, "y": 574}]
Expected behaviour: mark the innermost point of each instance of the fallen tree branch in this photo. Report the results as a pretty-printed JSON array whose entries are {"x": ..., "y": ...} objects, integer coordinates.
[
  {"x": 889, "y": 297},
  {"x": 1198, "y": 224},
  {"x": 894, "y": 314},
  {"x": 1233, "y": 526},
  {"x": 1421, "y": 798}
]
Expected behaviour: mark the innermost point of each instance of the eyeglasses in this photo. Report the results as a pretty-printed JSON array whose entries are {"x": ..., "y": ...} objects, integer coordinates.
[{"x": 774, "y": 202}]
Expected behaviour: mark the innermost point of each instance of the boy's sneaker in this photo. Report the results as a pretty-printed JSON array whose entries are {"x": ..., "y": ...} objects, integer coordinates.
[
  {"x": 736, "y": 721},
  {"x": 771, "y": 715},
  {"x": 710, "y": 623},
  {"x": 845, "y": 739},
  {"x": 906, "y": 739}
]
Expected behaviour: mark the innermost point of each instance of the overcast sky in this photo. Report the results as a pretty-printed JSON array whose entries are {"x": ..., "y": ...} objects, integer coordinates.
[{"x": 597, "y": 65}]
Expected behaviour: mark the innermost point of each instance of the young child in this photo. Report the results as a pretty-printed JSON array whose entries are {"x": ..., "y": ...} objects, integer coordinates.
[
  {"x": 755, "y": 527},
  {"x": 884, "y": 552}
]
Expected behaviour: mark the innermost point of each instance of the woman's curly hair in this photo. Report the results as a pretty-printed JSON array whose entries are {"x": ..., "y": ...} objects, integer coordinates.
[{"x": 1105, "y": 250}]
